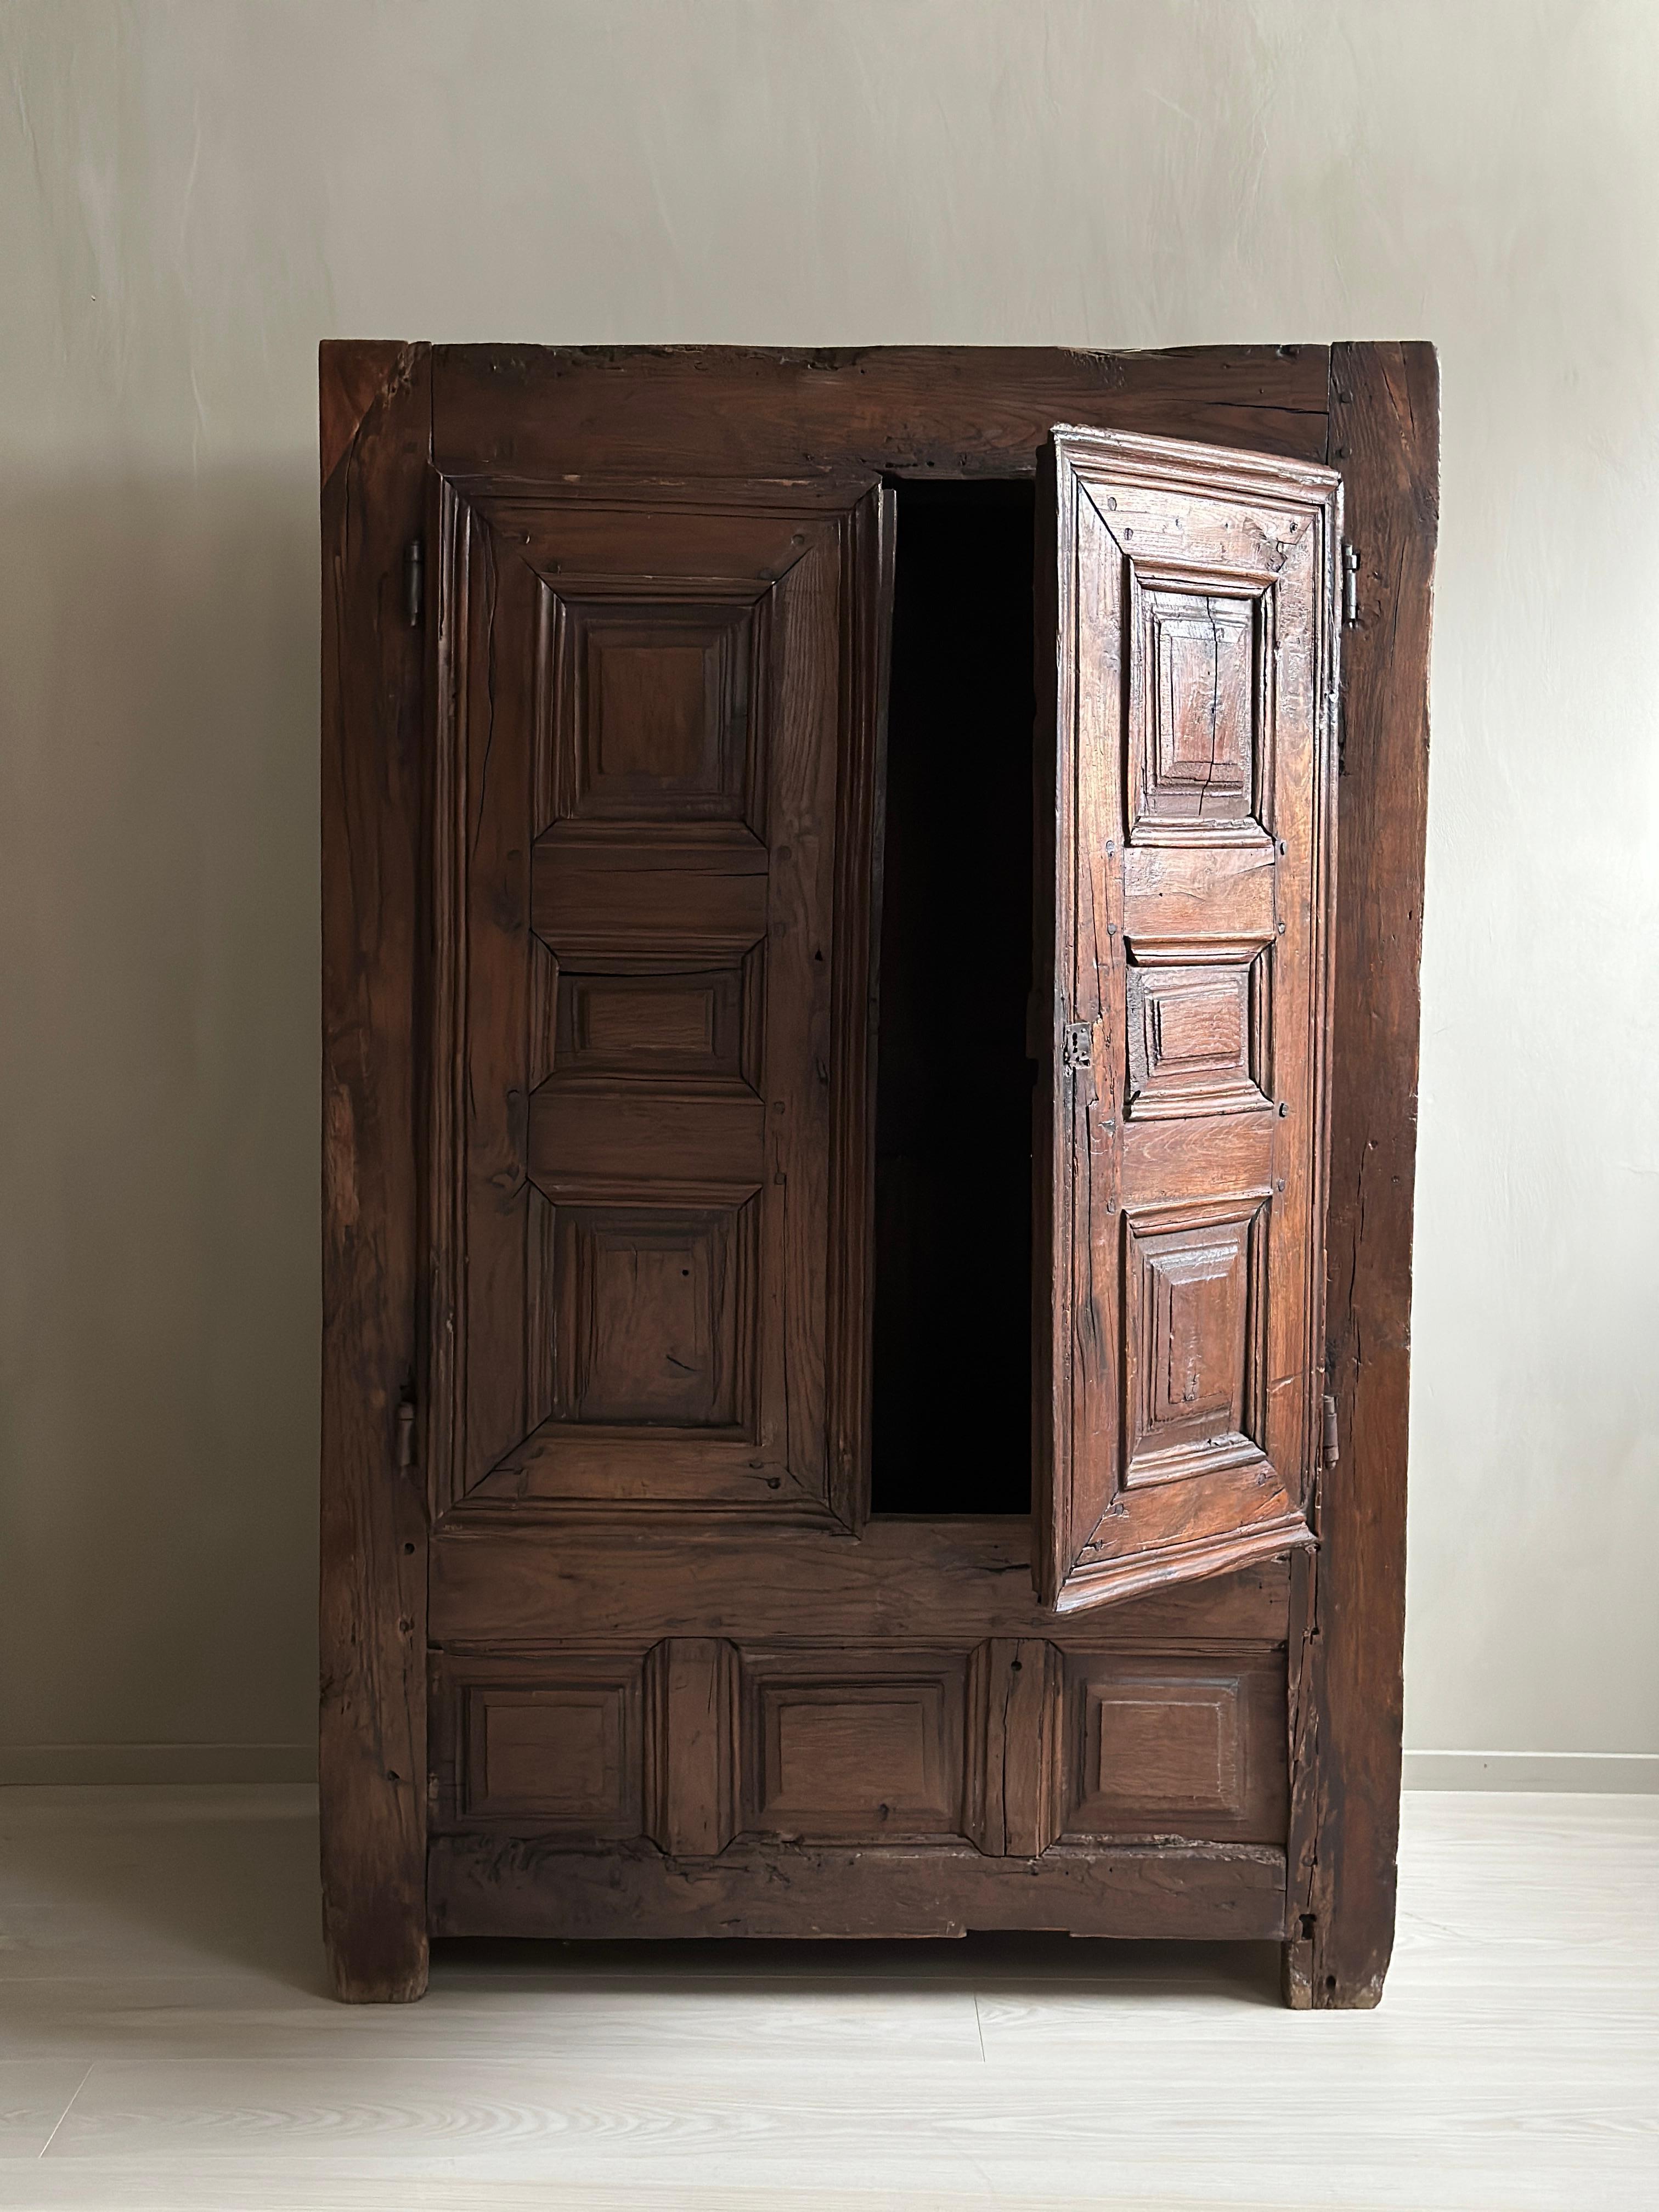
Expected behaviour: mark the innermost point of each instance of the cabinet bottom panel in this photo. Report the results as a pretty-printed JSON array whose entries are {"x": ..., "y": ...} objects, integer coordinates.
[
  {"x": 1014, "y": 1745},
  {"x": 498, "y": 1886}
]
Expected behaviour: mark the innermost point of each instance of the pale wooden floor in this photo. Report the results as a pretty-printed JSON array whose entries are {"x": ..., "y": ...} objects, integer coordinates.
[{"x": 165, "y": 2042}]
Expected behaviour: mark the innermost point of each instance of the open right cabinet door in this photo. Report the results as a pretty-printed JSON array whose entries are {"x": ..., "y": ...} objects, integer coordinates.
[{"x": 1187, "y": 650}]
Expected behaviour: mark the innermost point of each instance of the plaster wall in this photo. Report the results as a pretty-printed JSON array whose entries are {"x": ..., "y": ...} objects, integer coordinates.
[{"x": 194, "y": 193}]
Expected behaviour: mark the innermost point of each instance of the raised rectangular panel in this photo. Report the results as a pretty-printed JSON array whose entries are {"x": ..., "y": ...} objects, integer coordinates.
[
  {"x": 653, "y": 1314},
  {"x": 653, "y": 710},
  {"x": 1195, "y": 1331},
  {"x": 1165, "y": 1745},
  {"x": 840, "y": 1748},
  {"x": 1197, "y": 1028},
  {"x": 1174, "y": 1744},
  {"x": 1200, "y": 689},
  {"x": 540, "y": 1745},
  {"x": 616, "y": 1027}
]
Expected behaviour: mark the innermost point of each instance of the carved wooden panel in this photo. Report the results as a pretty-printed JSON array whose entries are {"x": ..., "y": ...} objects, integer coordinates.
[
  {"x": 1172, "y": 1744},
  {"x": 1016, "y": 1745},
  {"x": 1197, "y": 1028},
  {"x": 538, "y": 1746},
  {"x": 1195, "y": 1337},
  {"x": 654, "y": 1317},
  {"x": 611, "y": 1026},
  {"x": 653, "y": 812},
  {"x": 1200, "y": 669},
  {"x": 653, "y": 709},
  {"x": 842, "y": 1747},
  {"x": 1181, "y": 1191}
]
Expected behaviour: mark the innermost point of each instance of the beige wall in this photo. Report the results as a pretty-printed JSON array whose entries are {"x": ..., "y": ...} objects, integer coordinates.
[{"x": 192, "y": 194}]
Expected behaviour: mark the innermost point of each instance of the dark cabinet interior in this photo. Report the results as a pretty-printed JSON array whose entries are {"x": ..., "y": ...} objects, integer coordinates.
[{"x": 951, "y": 1429}]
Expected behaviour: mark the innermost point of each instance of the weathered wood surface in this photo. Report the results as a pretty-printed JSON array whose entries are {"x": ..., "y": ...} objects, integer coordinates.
[
  {"x": 1175, "y": 1415},
  {"x": 372, "y": 1750},
  {"x": 948, "y": 1581},
  {"x": 481, "y": 1886},
  {"x": 956, "y": 411},
  {"x": 1016, "y": 1702},
  {"x": 511, "y": 1578},
  {"x": 1349, "y": 1608},
  {"x": 654, "y": 966}
]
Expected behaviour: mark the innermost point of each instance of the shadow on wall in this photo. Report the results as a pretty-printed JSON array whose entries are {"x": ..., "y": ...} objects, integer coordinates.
[{"x": 158, "y": 656}]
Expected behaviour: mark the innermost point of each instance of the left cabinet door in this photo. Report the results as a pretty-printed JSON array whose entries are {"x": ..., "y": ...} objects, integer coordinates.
[{"x": 654, "y": 764}]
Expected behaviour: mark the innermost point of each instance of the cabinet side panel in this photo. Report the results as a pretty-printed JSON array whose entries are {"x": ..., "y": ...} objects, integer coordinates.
[
  {"x": 1348, "y": 1606},
  {"x": 372, "y": 1720}
]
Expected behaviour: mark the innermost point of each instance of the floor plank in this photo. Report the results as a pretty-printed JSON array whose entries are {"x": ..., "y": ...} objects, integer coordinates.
[{"x": 165, "y": 2041}]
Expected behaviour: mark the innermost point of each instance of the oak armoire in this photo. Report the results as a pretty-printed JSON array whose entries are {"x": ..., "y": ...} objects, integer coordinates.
[{"x": 871, "y": 903}]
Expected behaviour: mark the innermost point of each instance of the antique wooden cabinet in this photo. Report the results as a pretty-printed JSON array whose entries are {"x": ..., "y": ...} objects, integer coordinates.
[{"x": 868, "y": 1142}]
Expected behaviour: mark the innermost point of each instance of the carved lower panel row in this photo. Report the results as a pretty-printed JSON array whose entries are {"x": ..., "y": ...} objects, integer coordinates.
[{"x": 1017, "y": 1745}]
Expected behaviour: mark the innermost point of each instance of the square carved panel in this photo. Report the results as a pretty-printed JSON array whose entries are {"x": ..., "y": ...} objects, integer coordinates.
[
  {"x": 617, "y": 1027},
  {"x": 1162, "y": 1746},
  {"x": 653, "y": 719},
  {"x": 1187, "y": 1746},
  {"x": 1197, "y": 754},
  {"x": 1194, "y": 1338},
  {"x": 1197, "y": 1031},
  {"x": 653, "y": 1315},
  {"x": 840, "y": 1748},
  {"x": 545, "y": 1745}
]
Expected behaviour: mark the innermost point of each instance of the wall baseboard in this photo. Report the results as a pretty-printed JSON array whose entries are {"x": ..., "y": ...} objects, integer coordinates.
[
  {"x": 46, "y": 1766},
  {"x": 1624, "y": 1771}
]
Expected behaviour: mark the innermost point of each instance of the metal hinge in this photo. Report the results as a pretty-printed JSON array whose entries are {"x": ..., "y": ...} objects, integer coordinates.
[
  {"x": 1350, "y": 583},
  {"x": 405, "y": 1434},
  {"x": 1333, "y": 1450},
  {"x": 1075, "y": 1051},
  {"x": 414, "y": 583}
]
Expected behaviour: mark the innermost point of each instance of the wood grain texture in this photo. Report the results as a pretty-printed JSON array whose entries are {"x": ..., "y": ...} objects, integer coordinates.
[
  {"x": 372, "y": 1749},
  {"x": 955, "y": 1581},
  {"x": 1188, "y": 676},
  {"x": 1349, "y": 1609},
  {"x": 1167, "y": 1743},
  {"x": 844, "y": 1745},
  {"x": 692, "y": 1728},
  {"x": 545, "y": 1744},
  {"x": 353, "y": 375},
  {"x": 482, "y": 1886},
  {"x": 1015, "y": 1690},
  {"x": 953, "y": 410}
]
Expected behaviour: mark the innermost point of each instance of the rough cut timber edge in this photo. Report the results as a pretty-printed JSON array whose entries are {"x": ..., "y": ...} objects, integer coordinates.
[
  {"x": 1348, "y": 1603},
  {"x": 371, "y": 1738},
  {"x": 353, "y": 376}
]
